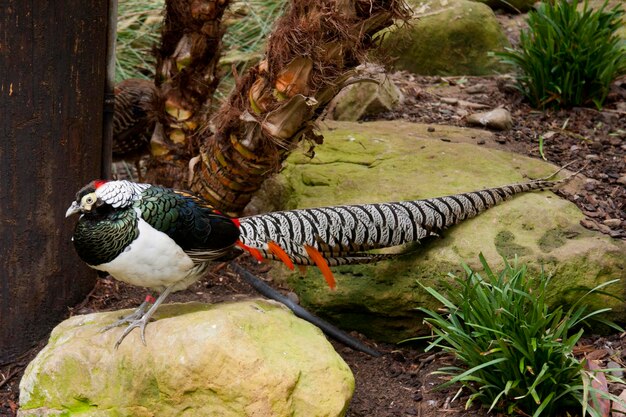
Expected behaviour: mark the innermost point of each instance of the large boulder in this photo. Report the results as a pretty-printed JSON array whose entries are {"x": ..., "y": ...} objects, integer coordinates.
[
  {"x": 448, "y": 37},
  {"x": 251, "y": 358},
  {"x": 391, "y": 161}
]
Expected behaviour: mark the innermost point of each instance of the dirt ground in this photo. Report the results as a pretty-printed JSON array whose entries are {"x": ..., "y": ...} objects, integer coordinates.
[{"x": 400, "y": 383}]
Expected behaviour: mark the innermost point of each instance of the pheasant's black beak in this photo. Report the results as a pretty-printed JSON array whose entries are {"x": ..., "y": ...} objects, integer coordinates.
[{"x": 74, "y": 208}]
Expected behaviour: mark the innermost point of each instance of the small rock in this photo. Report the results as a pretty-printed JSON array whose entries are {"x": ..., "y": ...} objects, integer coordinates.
[
  {"x": 475, "y": 89},
  {"x": 481, "y": 142},
  {"x": 430, "y": 129},
  {"x": 593, "y": 214},
  {"x": 622, "y": 179},
  {"x": 293, "y": 297},
  {"x": 589, "y": 224},
  {"x": 592, "y": 157},
  {"x": 574, "y": 148},
  {"x": 472, "y": 105},
  {"x": 612, "y": 223},
  {"x": 498, "y": 119},
  {"x": 449, "y": 100}
]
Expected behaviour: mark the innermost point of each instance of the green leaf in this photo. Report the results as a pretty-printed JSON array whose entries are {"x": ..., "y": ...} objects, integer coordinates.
[{"x": 515, "y": 352}]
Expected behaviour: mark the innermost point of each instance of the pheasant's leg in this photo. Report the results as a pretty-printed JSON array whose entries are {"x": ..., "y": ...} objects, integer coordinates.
[
  {"x": 135, "y": 315},
  {"x": 143, "y": 321}
]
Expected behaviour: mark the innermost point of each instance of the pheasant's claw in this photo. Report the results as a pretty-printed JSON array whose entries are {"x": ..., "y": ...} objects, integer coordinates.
[
  {"x": 124, "y": 320},
  {"x": 131, "y": 318},
  {"x": 141, "y": 323}
]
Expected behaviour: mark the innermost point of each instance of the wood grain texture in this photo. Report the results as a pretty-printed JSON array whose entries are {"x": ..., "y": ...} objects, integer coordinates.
[{"x": 52, "y": 74}]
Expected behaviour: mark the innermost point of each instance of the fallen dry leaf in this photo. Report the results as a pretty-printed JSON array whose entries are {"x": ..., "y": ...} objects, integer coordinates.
[{"x": 598, "y": 382}]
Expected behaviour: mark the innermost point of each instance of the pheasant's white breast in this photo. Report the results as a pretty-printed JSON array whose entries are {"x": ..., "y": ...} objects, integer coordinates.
[{"x": 153, "y": 260}]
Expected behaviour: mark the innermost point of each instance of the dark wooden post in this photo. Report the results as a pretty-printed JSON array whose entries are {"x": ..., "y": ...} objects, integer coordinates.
[{"x": 52, "y": 84}]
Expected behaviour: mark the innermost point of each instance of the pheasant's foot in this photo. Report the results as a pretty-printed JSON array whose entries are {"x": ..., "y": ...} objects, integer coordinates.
[
  {"x": 140, "y": 318},
  {"x": 141, "y": 323},
  {"x": 132, "y": 317}
]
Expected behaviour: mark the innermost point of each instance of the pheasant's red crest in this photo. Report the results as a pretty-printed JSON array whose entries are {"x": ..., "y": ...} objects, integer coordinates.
[{"x": 99, "y": 183}]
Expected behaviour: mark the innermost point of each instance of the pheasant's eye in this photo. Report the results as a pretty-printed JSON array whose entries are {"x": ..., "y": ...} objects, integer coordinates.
[{"x": 89, "y": 200}]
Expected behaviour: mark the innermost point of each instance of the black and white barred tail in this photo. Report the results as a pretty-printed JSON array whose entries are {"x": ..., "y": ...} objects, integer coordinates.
[{"x": 344, "y": 234}]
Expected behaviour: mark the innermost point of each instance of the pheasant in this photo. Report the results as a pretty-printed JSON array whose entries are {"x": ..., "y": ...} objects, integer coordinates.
[
  {"x": 134, "y": 120},
  {"x": 165, "y": 239}
]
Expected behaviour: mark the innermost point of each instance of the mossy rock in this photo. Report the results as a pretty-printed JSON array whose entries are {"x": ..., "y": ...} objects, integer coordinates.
[
  {"x": 391, "y": 161},
  {"x": 449, "y": 37},
  {"x": 366, "y": 98},
  {"x": 251, "y": 358}
]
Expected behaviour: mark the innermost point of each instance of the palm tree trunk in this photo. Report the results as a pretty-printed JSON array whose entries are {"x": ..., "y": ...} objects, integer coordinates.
[
  {"x": 311, "y": 54},
  {"x": 187, "y": 77}
]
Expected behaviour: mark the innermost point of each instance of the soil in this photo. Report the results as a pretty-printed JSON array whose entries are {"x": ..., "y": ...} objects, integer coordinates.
[{"x": 401, "y": 383}]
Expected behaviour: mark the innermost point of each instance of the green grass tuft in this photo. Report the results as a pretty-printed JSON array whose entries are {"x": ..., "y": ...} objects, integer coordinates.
[
  {"x": 138, "y": 31},
  {"x": 247, "y": 23},
  {"x": 516, "y": 353},
  {"x": 568, "y": 57}
]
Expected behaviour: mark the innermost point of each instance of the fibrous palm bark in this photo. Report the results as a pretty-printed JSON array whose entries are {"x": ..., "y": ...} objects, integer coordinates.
[
  {"x": 311, "y": 54},
  {"x": 186, "y": 77}
]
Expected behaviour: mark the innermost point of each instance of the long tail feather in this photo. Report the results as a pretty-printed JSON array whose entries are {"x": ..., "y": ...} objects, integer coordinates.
[{"x": 344, "y": 234}]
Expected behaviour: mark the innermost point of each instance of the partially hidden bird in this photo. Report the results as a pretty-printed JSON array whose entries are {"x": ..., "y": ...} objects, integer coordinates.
[
  {"x": 165, "y": 239},
  {"x": 134, "y": 120}
]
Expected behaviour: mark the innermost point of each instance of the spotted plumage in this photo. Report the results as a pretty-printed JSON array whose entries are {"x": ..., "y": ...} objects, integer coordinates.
[{"x": 164, "y": 239}]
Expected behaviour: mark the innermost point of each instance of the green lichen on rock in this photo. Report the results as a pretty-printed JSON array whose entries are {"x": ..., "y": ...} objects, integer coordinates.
[
  {"x": 391, "y": 161},
  {"x": 448, "y": 37},
  {"x": 555, "y": 238},
  {"x": 221, "y": 360},
  {"x": 507, "y": 247}
]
